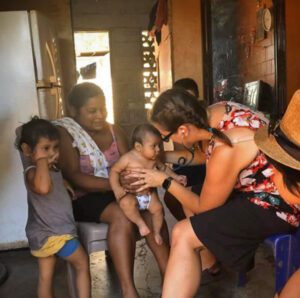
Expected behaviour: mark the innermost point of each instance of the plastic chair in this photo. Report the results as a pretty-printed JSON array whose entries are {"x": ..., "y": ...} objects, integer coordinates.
[
  {"x": 286, "y": 251},
  {"x": 92, "y": 236}
]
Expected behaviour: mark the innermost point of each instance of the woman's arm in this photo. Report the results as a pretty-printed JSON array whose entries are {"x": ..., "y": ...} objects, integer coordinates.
[
  {"x": 179, "y": 178},
  {"x": 122, "y": 142},
  {"x": 69, "y": 164},
  {"x": 221, "y": 173},
  {"x": 292, "y": 287},
  {"x": 173, "y": 156}
]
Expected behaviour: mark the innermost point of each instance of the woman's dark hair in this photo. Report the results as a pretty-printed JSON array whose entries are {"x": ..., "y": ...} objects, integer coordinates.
[
  {"x": 140, "y": 131},
  {"x": 34, "y": 130},
  {"x": 175, "y": 107},
  {"x": 80, "y": 93},
  {"x": 291, "y": 177},
  {"x": 188, "y": 84}
]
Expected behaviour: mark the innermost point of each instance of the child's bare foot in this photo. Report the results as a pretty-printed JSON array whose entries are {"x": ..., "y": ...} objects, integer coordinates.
[
  {"x": 144, "y": 230},
  {"x": 158, "y": 239}
]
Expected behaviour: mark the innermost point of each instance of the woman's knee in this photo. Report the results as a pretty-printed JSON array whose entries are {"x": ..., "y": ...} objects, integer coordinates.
[
  {"x": 120, "y": 221},
  {"x": 184, "y": 233},
  {"x": 113, "y": 214}
]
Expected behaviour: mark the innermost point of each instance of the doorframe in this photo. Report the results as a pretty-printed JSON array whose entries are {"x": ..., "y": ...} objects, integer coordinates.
[{"x": 280, "y": 57}]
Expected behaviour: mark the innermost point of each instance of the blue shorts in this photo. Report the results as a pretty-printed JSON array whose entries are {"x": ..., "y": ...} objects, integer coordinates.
[{"x": 69, "y": 247}]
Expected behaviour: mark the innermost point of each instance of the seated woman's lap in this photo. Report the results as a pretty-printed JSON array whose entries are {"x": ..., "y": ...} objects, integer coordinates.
[
  {"x": 175, "y": 206},
  {"x": 233, "y": 231},
  {"x": 90, "y": 206}
]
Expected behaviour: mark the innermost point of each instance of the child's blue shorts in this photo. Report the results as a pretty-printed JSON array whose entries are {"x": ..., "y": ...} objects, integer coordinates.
[{"x": 68, "y": 248}]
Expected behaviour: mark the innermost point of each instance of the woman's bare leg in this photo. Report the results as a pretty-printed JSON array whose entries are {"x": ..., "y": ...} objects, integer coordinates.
[
  {"x": 46, "y": 273},
  {"x": 292, "y": 288},
  {"x": 80, "y": 261},
  {"x": 121, "y": 244},
  {"x": 208, "y": 259},
  {"x": 160, "y": 252},
  {"x": 183, "y": 273}
]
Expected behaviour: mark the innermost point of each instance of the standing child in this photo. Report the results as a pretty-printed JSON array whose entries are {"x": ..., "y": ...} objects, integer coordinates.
[
  {"x": 50, "y": 228},
  {"x": 146, "y": 143}
]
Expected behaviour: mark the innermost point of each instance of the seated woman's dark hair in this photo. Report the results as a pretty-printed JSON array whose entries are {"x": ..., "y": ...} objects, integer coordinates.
[
  {"x": 188, "y": 84},
  {"x": 80, "y": 93},
  {"x": 291, "y": 177},
  {"x": 140, "y": 131},
  {"x": 34, "y": 130},
  {"x": 176, "y": 107}
]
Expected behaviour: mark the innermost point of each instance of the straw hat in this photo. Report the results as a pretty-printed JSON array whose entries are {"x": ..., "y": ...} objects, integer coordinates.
[{"x": 283, "y": 144}]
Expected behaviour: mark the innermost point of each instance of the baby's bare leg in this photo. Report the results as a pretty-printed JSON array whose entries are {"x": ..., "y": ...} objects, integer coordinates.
[
  {"x": 156, "y": 209},
  {"x": 129, "y": 205}
]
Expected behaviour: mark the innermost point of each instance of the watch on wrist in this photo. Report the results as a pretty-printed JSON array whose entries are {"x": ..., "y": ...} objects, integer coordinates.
[{"x": 167, "y": 182}]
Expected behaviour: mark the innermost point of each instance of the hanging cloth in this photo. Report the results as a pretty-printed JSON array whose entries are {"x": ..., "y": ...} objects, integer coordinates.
[{"x": 161, "y": 14}]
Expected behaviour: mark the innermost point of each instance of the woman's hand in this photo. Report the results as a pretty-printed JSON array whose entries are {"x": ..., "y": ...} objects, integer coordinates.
[
  {"x": 126, "y": 181},
  {"x": 70, "y": 189},
  {"x": 147, "y": 178}
]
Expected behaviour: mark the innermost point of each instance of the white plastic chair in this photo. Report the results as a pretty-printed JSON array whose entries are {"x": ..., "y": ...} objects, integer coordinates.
[{"x": 92, "y": 236}]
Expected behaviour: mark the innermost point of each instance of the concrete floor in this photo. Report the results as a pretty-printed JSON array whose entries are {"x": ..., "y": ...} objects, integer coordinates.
[{"x": 23, "y": 274}]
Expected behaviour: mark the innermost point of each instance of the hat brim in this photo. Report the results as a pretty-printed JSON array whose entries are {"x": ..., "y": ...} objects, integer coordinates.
[{"x": 268, "y": 145}]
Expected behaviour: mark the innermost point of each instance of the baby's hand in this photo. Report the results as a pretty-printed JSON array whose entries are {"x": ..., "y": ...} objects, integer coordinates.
[
  {"x": 181, "y": 179},
  {"x": 120, "y": 193}
]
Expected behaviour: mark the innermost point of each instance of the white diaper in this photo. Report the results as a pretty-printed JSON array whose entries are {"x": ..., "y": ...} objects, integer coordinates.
[{"x": 144, "y": 201}]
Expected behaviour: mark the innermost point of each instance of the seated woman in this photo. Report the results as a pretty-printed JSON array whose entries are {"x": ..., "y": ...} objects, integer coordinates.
[
  {"x": 241, "y": 202},
  {"x": 89, "y": 147}
]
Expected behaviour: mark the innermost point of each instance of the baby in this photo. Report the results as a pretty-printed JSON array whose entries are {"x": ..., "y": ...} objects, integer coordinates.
[
  {"x": 146, "y": 143},
  {"x": 50, "y": 229}
]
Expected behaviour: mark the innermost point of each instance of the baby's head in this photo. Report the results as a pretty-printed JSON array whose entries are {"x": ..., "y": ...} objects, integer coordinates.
[
  {"x": 146, "y": 140},
  {"x": 39, "y": 139}
]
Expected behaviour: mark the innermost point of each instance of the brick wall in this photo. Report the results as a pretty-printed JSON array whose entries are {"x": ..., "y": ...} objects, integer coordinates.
[{"x": 259, "y": 65}]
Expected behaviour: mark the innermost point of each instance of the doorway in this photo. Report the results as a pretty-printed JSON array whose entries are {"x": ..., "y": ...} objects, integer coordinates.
[{"x": 93, "y": 63}]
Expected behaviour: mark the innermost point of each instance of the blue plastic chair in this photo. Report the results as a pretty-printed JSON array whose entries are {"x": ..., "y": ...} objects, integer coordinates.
[{"x": 286, "y": 251}]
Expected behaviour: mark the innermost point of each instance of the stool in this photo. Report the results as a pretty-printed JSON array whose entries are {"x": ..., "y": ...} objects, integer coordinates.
[
  {"x": 92, "y": 236},
  {"x": 286, "y": 251}
]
